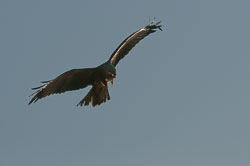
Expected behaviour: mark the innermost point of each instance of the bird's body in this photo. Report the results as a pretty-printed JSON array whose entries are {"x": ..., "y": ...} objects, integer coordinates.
[{"x": 98, "y": 77}]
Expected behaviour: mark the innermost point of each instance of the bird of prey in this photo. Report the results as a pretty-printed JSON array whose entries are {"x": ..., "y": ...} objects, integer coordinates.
[{"x": 98, "y": 77}]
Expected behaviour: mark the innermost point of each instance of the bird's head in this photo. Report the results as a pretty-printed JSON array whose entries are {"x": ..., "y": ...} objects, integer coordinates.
[{"x": 110, "y": 73}]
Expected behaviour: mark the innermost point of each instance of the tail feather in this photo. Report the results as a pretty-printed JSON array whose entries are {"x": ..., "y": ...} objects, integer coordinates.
[{"x": 97, "y": 95}]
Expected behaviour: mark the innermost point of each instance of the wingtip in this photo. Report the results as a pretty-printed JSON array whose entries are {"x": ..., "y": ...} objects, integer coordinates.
[
  {"x": 32, "y": 94},
  {"x": 159, "y": 27},
  {"x": 155, "y": 25},
  {"x": 155, "y": 22},
  {"x": 33, "y": 100}
]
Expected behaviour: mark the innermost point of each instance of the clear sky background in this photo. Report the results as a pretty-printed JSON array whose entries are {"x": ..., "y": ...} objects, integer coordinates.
[{"x": 181, "y": 96}]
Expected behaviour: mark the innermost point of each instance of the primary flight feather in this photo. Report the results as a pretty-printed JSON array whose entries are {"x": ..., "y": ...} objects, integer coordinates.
[{"x": 98, "y": 77}]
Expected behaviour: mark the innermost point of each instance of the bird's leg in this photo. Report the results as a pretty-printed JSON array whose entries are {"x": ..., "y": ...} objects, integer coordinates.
[
  {"x": 107, "y": 84},
  {"x": 102, "y": 83},
  {"x": 112, "y": 81}
]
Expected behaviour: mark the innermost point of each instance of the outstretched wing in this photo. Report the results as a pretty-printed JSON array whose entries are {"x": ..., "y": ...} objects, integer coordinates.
[
  {"x": 131, "y": 41},
  {"x": 70, "y": 80}
]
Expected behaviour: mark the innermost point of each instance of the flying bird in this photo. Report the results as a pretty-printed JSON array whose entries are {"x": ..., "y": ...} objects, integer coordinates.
[{"x": 97, "y": 77}]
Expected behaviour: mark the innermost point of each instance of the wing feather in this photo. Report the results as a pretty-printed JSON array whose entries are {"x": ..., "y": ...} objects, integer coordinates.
[
  {"x": 71, "y": 80},
  {"x": 124, "y": 48}
]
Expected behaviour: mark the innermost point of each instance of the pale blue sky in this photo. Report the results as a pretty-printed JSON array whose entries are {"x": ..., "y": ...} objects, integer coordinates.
[{"x": 181, "y": 97}]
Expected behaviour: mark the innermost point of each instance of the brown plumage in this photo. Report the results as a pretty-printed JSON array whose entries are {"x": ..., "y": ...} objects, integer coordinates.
[{"x": 98, "y": 77}]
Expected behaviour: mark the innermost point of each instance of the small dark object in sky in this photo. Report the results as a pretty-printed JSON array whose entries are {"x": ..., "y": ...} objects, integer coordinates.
[{"x": 98, "y": 77}]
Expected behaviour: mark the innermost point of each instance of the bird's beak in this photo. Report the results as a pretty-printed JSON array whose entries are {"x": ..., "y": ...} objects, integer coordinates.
[{"x": 112, "y": 81}]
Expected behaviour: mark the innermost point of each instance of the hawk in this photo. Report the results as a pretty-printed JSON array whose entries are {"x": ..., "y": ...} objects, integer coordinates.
[{"x": 98, "y": 77}]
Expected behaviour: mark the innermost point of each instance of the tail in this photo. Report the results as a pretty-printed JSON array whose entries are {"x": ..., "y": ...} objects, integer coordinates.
[{"x": 97, "y": 95}]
